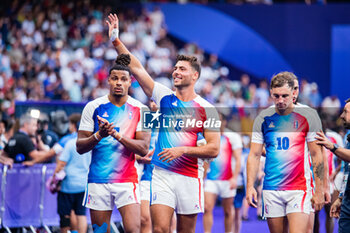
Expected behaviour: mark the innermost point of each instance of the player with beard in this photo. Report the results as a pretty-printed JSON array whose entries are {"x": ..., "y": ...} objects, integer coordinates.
[{"x": 177, "y": 179}]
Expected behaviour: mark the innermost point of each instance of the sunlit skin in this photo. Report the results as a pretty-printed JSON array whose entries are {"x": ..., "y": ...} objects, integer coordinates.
[
  {"x": 184, "y": 75},
  {"x": 119, "y": 82},
  {"x": 283, "y": 98}
]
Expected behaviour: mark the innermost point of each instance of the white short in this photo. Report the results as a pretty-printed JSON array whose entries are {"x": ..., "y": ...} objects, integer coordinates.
[
  {"x": 338, "y": 180},
  {"x": 280, "y": 203},
  {"x": 182, "y": 193},
  {"x": 105, "y": 196},
  {"x": 145, "y": 187},
  {"x": 219, "y": 187}
]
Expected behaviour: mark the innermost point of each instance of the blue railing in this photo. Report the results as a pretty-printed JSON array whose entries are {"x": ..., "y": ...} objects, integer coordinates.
[{"x": 25, "y": 201}]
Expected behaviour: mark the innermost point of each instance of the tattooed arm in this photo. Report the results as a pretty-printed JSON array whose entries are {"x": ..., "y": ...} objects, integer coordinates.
[{"x": 318, "y": 169}]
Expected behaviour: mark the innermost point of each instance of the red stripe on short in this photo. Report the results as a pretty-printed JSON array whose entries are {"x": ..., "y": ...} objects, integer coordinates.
[
  {"x": 302, "y": 202},
  {"x": 200, "y": 194},
  {"x": 135, "y": 193}
]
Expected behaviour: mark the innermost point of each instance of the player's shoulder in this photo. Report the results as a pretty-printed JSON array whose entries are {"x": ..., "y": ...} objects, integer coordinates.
[
  {"x": 136, "y": 103},
  {"x": 159, "y": 87},
  {"x": 267, "y": 112},
  {"x": 232, "y": 136},
  {"x": 97, "y": 102},
  {"x": 203, "y": 102},
  {"x": 230, "y": 133},
  {"x": 305, "y": 110}
]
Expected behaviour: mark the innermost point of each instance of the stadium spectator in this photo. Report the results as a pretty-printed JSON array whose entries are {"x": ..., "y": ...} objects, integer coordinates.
[
  {"x": 6, "y": 132},
  {"x": 48, "y": 136},
  {"x": 20, "y": 147}
]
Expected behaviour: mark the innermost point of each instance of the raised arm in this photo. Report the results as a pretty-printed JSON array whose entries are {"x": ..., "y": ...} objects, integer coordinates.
[
  {"x": 135, "y": 66},
  {"x": 253, "y": 163}
]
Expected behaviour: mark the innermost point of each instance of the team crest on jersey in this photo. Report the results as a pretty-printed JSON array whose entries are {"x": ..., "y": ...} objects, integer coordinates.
[
  {"x": 174, "y": 103},
  {"x": 105, "y": 114},
  {"x": 271, "y": 125},
  {"x": 296, "y": 125},
  {"x": 130, "y": 115}
]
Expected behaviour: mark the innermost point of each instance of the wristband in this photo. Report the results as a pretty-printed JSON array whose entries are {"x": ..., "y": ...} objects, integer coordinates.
[
  {"x": 98, "y": 138},
  {"x": 116, "y": 42},
  {"x": 118, "y": 139},
  {"x": 115, "y": 34},
  {"x": 335, "y": 147}
]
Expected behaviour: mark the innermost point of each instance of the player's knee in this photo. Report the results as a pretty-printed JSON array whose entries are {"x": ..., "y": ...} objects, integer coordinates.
[
  {"x": 160, "y": 229},
  {"x": 208, "y": 209},
  {"x": 132, "y": 228},
  {"x": 145, "y": 220},
  {"x": 64, "y": 221},
  {"x": 228, "y": 212}
]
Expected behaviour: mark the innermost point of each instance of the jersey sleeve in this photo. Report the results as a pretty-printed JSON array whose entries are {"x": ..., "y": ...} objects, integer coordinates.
[
  {"x": 87, "y": 121},
  {"x": 139, "y": 126},
  {"x": 68, "y": 148},
  {"x": 257, "y": 135},
  {"x": 314, "y": 126},
  {"x": 159, "y": 91},
  {"x": 235, "y": 140}
]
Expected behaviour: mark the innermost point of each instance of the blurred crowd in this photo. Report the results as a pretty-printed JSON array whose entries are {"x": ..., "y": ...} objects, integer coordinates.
[{"x": 52, "y": 51}]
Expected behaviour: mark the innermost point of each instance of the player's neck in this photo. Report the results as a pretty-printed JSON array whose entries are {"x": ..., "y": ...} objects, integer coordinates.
[
  {"x": 118, "y": 100},
  {"x": 288, "y": 111},
  {"x": 186, "y": 93}
]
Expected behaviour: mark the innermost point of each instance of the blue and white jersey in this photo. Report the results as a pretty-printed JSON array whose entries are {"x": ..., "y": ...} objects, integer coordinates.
[
  {"x": 287, "y": 164},
  {"x": 180, "y": 123},
  {"x": 111, "y": 162}
]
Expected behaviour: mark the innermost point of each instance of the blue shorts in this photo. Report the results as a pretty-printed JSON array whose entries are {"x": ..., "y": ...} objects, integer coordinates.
[
  {"x": 240, "y": 194},
  {"x": 70, "y": 201},
  {"x": 344, "y": 220}
]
